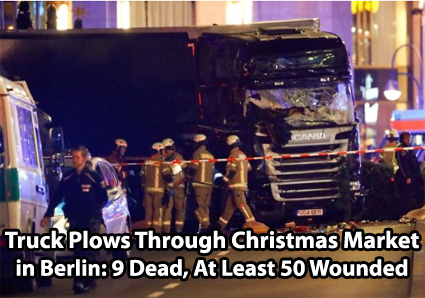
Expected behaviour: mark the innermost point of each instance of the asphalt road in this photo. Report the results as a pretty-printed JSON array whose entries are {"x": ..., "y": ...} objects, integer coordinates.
[{"x": 306, "y": 287}]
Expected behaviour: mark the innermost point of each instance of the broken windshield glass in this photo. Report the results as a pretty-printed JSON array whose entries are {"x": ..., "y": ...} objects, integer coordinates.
[{"x": 331, "y": 103}]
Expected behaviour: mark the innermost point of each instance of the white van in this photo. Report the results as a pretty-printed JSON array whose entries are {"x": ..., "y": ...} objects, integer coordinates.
[{"x": 23, "y": 190}]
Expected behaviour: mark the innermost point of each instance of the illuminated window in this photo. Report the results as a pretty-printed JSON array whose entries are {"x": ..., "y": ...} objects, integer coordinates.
[
  {"x": 62, "y": 14},
  {"x": 123, "y": 14},
  {"x": 238, "y": 12}
]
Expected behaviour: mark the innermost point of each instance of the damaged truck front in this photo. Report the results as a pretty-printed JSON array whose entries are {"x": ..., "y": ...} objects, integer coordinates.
[{"x": 285, "y": 91}]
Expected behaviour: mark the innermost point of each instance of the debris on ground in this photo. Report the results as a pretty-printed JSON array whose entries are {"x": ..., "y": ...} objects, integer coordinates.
[
  {"x": 292, "y": 226},
  {"x": 407, "y": 220},
  {"x": 417, "y": 214},
  {"x": 257, "y": 227}
]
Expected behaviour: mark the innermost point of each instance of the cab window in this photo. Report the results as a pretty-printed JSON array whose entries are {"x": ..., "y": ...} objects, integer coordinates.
[{"x": 28, "y": 142}]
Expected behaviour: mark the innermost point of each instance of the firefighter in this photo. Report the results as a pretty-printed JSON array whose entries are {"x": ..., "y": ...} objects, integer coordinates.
[
  {"x": 174, "y": 176},
  {"x": 118, "y": 156},
  {"x": 85, "y": 196},
  {"x": 201, "y": 174},
  {"x": 237, "y": 179},
  {"x": 128, "y": 178},
  {"x": 388, "y": 158},
  {"x": 153, "y": 184},
  {"x": 408, "y": 176}
]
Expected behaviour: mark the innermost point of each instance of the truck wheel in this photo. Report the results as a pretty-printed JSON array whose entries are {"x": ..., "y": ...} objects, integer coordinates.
[{"x": 27, "y": 284}]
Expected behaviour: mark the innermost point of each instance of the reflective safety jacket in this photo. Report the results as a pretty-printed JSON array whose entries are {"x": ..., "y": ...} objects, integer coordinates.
[
  {"x": 174, "y": 171},
  {"x": 152, "y": 174},
  {"x": 203, "y": 171},
  {"x": 389, "y": 157},
  {"x": 237, "y": 171}
]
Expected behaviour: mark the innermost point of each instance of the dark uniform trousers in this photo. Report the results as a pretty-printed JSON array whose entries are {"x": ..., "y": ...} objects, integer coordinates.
[
  {"x": 412, "y": 196},
  {"x": 203, "y": 198},
  {"x": 94, "y": 225},
  {"x": 153, "y": 207},
  {"x": 85, "y": 195},
  {"x": 178, "y": 199},
  {"x": 235, "y": 199}
]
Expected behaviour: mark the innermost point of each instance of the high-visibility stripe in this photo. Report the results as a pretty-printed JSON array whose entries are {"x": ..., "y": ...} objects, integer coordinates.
[
  {"x": 154, "y": 189},
  {"x": 235, "y": 185},
  {"x": 198, "y": 215},
  {"x": 179, "y": 223},
  {"x": 223, "y": 220},
  {"x": 203, "y": 166},
  {"x": 245, "y": 212}
]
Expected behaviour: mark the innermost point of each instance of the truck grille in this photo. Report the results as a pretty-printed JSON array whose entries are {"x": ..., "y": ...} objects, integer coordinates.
[{"x": 308, "y": 178}]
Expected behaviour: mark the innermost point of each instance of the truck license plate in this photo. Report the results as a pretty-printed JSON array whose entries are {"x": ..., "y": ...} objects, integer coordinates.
[{"x": 310, "y": 212}]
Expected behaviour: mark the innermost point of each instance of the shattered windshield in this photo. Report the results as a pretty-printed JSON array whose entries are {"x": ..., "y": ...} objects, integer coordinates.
[{"x": 331, "y": 103}]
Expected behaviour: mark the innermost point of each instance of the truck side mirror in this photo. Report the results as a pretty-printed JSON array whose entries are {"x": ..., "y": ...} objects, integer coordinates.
[{"x": 56, "y": 139}]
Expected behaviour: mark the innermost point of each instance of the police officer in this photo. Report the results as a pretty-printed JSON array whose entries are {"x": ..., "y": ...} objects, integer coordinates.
[
  {"x": 174, "y": 177},
  {"x": 154, "y": 188},
  {"x": 85, "y": 195},
  {"x": 237, "y": 179},
  {"x": 408, "y": 176},
  {"x": 201, "y": 174},
  {"x": 388, "y": 158}
]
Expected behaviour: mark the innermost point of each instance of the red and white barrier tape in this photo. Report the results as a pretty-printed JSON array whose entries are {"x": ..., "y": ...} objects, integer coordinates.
[{"x": 284, "y": 156}]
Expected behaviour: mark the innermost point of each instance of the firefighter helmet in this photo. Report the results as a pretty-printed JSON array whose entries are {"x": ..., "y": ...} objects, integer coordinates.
[
  {"x": 392, "y": 134},
  {"x": 157, "y": 146},
  {"x": 167, "y": 142},
  {"x": 199, "y": 138},
  {"x": 232, "y": 140},
  {"x": 121, "y": 143}
]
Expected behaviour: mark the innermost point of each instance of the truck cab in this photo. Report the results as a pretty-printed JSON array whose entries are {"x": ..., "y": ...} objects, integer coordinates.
[{"x": 285, "y": 90}]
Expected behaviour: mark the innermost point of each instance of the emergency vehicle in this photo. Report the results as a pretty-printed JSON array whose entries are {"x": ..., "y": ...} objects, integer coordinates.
[{"x": 23, "y": 189}]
